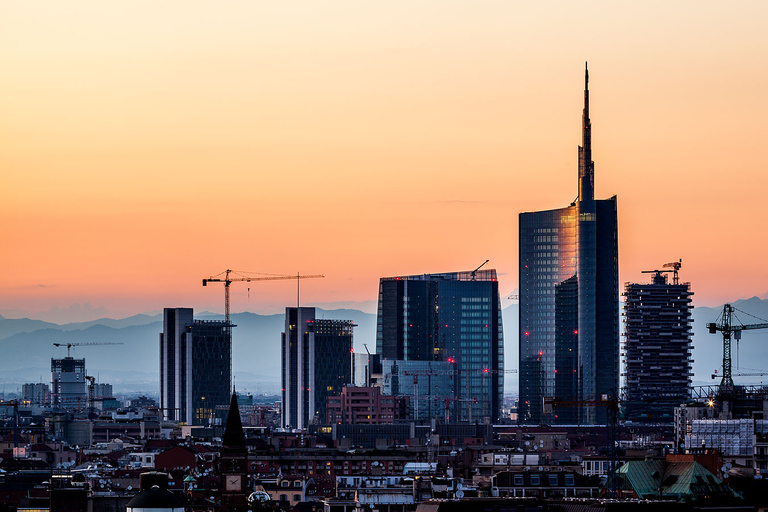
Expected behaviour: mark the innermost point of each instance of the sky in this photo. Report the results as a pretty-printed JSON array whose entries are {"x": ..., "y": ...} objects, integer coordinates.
[{"x": 147, "y": 145}]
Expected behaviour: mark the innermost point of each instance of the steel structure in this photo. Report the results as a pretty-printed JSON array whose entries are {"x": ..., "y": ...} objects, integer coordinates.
[
  {"x": 730, "y": 330},
  {"x": 70, "y": 345},
  {"x": 228, "y": 280}
]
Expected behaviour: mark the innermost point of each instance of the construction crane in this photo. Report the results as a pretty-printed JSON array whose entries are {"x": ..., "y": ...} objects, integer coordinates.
[
  {"x": 747, "y": 374},
  {"x": 70, "y": 345},
  {"x": 725, "y": 325},
  {"x": 675, "y": 266},
  {"x": 474, "y": 272},
  {"x": 228, "y": 280}
]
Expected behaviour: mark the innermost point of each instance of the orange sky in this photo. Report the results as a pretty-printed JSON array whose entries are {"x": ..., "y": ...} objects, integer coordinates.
[{"x": 146, "y": 145}]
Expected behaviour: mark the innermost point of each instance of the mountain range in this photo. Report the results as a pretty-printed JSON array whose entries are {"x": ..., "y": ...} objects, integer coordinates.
[{"x": 132, "y": 366}]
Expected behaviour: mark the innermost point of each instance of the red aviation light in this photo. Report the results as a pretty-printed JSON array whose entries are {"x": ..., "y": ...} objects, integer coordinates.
[
  {"x": 352, "y": 350},
  {"x": 526, "y": 333},
  {"x": 485, "y": 370},
  {"x": 541, "y": 353},
  {"x": 575, "y": 331}
]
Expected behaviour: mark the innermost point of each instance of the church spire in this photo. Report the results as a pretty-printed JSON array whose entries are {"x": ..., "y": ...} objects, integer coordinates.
[
  {"x": 586, "y": 165},
  {"x": 234, "y": 436}
]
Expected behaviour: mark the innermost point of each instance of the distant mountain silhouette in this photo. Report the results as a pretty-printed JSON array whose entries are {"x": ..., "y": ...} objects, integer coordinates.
[{"x": 27, "y": 347}]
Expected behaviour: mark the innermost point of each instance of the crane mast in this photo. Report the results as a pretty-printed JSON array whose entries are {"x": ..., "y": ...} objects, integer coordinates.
[{"x": 730, "y": 331}]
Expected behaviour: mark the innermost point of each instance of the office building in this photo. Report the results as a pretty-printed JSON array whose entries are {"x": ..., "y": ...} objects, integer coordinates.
[
  {"x": 68, "y": 383},
  {"x": 195, "y": 367},
  {"x": 658, "y": 363},
  {"x": 451, "y": 317},
  {"x": 569, "y": 295},
  {"x": 316, "y": 363},
  {"x": 430, "y": 388}
]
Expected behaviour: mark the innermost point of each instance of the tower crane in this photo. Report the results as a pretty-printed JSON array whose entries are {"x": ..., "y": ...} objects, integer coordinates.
[
  {"x": 227, "y": 279},
  {"x": 70, "y": 345},
  {"x": 730, "y": 330},
  {"x": 675, "y": 266}
]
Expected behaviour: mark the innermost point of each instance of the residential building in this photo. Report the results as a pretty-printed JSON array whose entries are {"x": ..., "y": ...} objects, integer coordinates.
[
  {"x": 195, "y": 367},
  {"x": 363, "y": 405},
  {"x": 453, "y": 317},
  {"x": 569, "y": 296},
  {"x": 36, "y": 393},
  {"x": 316, "y": 363},
  {"x": 658, "y": 363}
]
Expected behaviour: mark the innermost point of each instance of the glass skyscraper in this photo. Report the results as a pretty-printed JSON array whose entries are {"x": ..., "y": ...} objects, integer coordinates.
[
  {"x": 452, "y": 317},
  {"x": 569, "y": 294}
]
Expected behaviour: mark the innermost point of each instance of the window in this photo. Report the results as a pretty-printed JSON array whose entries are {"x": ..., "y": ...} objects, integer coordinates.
[
  {"x": 536, "y": 479},
  {"x": 552, "y": 480},
  {"x": 283, "y": 497},
  {"x": 519, "y": 480},
  {"x": 569, "y": 480},
  {"x": 297, "y": 483},
  {"x": 297, "y": 497},
  {"x": 285, "y": 483}
]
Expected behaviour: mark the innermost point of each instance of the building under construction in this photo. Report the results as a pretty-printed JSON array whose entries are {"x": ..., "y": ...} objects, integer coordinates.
[
  {"x": 68, "y": 382},
  {"x": 657, "y": 319}
]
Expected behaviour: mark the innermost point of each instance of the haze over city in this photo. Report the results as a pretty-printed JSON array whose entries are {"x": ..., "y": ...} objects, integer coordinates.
[{"x": 147, "y": 146}]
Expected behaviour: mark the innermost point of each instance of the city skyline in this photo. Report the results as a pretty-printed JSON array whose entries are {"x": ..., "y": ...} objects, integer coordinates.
[{"x": 373, "y": 122}]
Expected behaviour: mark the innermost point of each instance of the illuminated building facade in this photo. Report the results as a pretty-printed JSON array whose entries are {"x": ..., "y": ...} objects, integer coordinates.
[
  {"x": 569, "y": 294},
  {"x": 452, "y": 317}
]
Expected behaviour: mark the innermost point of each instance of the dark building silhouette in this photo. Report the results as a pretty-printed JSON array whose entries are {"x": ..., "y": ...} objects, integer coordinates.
[
  {"x": 450, "y": 317},
  {"x": 316, "y": 364},
  {"x": 569, "y": 293},
  {"x": 234, "y": 461},
  {"x": 657, "y": 320},
  {"x": 195, "y": 366},
  {"x": 68, "y": 383}
]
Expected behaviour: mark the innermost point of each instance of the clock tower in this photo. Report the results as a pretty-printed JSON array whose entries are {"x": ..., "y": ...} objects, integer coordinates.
[{"x": 234, "y": 462}]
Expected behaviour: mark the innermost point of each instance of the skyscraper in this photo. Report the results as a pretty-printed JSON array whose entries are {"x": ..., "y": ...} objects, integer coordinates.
[
  {"x": 195, "y": 366},
  {"x": 657, "y": 319},
  {"x": 451, "y": 317},
  {"x": 316, "y": 363},
  {"x": 569, "y": 294}
]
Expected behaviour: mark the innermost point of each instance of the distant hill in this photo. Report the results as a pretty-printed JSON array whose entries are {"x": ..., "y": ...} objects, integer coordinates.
[{"x": 27, "y": 347}]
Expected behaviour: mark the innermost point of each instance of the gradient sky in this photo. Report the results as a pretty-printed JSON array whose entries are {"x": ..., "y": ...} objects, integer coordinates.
[{"x": 145, "y": 145}]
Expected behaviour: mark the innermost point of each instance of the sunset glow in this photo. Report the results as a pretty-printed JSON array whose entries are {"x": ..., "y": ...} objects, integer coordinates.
[{"x": 145, "y": 145}]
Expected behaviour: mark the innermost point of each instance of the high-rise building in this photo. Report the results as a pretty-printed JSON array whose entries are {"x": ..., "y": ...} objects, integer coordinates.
[
  {"x": 451, "y": 317},
  {"x": 68, "y": 383},
  {"x": 316, "y": 363},
  {"x": 195, "y": 366},
  {"x": 658, "y": 365},
  {"x": 569, "y": 295}
]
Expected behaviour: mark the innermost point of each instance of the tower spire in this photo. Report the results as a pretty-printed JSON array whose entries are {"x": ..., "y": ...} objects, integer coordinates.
[{"x": 586, "y": 165}]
